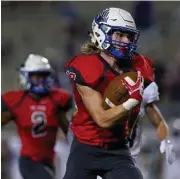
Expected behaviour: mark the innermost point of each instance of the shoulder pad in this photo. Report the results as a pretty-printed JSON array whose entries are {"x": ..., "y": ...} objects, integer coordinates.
[
  {"x": 11, "y": 98},
  {"x": 85, "y": 69},
  {"x": 151, "y": 93}
]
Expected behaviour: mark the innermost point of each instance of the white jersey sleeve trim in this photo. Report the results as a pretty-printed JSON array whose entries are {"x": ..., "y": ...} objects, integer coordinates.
[{"x": 151, "y": 93}]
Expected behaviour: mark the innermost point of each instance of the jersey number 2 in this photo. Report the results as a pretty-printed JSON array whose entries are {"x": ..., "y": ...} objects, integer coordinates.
[{"x": 38, "y": 119}]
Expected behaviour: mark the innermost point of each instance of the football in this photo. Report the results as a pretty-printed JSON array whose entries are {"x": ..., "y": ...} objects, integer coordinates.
[{"x": 116, "y": 93}]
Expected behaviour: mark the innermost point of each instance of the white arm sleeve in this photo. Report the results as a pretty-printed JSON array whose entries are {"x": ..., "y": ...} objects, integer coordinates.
[{"x": 151, "y": 94}]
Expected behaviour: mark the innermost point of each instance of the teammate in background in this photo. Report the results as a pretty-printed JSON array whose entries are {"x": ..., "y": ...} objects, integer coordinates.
[
  {"x": 100, "y": 145},
  {"x": 172, "y": 171},
  {"x": 148, "y": 107},
  {"x": 37, "y": 111}
]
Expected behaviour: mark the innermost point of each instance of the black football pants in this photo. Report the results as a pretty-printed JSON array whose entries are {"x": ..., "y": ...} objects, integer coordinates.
[
  {"x": 30, "y": 169},
  {"x": 86, "y": 162}
]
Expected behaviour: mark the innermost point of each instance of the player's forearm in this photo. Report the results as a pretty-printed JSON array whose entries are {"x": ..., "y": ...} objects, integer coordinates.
[
  {"x": 112, "y": 115},
  {"x": 62, "y": 120},
  {"x": 162, "y": 131},
  {"x": 158, "y": 121},
  {"x": 109, "y": 117},
  {"x": 93, "y": 102},
  {"x": 64, "y": 124},
  {"x": 65, "y": 128}
]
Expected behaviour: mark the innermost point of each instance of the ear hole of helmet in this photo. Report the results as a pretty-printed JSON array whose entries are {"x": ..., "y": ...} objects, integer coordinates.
[
  {"x": 96, "y": 43},
  {"x": 98, "y": 35}
]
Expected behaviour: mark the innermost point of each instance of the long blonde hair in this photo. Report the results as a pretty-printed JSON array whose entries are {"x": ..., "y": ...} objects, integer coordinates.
[{"x": 90, "y": 48}]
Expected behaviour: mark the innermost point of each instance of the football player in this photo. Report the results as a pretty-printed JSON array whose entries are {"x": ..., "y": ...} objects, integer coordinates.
[
  {"x": 148, "y": 107},
  {"x": 37, "y": 112},
  {"x": 172, "y": 171},
  {"x": 100, "y": 145}
]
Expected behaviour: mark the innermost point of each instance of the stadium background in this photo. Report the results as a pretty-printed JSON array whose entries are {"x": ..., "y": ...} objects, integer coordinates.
[{"x": 57, "y": 30}]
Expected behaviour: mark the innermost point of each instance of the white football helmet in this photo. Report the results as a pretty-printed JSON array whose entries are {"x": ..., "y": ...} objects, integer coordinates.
[
  {"x": 36, "y": 64},
  {"x": 108, "y": 21}
]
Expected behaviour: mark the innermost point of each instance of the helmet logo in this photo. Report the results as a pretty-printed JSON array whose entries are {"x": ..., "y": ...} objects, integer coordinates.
[
  {"x": 104, "y": 15},
  {"x": 72, "y": 75}
]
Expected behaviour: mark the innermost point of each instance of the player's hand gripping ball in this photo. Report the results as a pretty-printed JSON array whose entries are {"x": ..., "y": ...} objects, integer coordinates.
[{"x": 116, "y": 93}]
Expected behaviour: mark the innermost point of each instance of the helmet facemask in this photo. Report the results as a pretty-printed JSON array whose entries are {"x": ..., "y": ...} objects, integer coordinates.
[
  {"x": 38, "y": 82},
  {"x": 36, "y": 75},
  {"x": 119, "y": 50}
]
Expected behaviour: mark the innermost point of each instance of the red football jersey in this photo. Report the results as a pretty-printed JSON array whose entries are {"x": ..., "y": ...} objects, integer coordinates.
[
  {"x": 93, "y": 71},
  {"x": 36, "y": 121}
]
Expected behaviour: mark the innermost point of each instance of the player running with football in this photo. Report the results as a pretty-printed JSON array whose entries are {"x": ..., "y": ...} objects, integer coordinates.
[
  {"x": 100, "y": 145},
  {"x": 37, "y": 111}
]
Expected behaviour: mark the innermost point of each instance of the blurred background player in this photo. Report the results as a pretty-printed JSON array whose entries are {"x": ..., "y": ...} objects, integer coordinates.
[
  {"x": 148, "y": 107},
  {"x": 12, "y": 147},
  {"x": 112, "y": 52},
  {"x": 38, "y": 111},
  {"x": 172, "y": 171}
]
